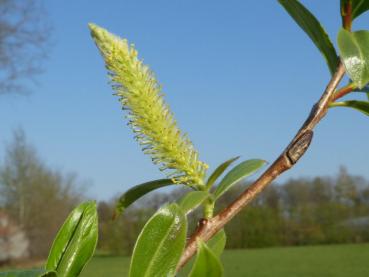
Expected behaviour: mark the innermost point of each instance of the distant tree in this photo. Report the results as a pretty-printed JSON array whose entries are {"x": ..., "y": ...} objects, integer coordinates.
[
  {"x": 321, "y": 191},
  {"x": 36, "y": 197},
  {"x": 271, "y": 197},
  {"x": 346, "y": 188},
  {"x": 24, "y": 33}
]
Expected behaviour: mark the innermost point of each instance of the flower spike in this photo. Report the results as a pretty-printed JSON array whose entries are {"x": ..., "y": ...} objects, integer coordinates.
[{"x": 148, "y": 114}]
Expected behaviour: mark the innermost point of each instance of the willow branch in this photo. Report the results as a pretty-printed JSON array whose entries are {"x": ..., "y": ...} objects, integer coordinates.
[
  {"x": 294, "y": 151},
  {"x": 343, "y": 92}
]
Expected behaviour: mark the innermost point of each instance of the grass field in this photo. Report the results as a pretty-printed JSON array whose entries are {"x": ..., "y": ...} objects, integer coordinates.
[{"x": 310, "y": 261}]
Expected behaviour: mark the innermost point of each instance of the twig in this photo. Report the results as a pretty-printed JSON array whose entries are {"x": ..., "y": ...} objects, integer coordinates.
[
  {"x": 294, "y": 151},
  {"x": 343, "y": 91},
  {"x": 347, "y": 16}
]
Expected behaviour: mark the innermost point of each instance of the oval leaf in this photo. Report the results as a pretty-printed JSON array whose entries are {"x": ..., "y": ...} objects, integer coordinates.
[
  {"x": 137, "y": 192},
  {"x": 160, "y": 244},
  {"x": 217, "y": 243},
  {"x": 362, "y": 106},
  {"x": 75, "y": 242},
  {"x": 308, "y": 22},
  {"x": 354, "y": 50},
  {"x": 29, "y": 273},
  {"x": 206, "y": 263},
  {"x": 239, "y": 172},
  {"x": 219, "y": 171},
  {"x": 192, "y": 200}
]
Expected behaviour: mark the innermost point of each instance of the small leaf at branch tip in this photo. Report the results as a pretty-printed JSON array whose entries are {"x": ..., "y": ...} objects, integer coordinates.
[
  {"x": 354, "y": 50},
  {"x": 238, "y": 173},
  {"x": 136, "y": 192},
  {"x": 192, "y": 200},
  {"x": 219, "y": 171}
]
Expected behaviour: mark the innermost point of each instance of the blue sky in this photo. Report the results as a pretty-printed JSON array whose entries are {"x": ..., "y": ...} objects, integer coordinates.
[{"x": 240, "y": 77}]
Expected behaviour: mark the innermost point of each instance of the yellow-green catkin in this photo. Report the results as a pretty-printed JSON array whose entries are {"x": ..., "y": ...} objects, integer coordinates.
[{"x": 149, "y": 116}]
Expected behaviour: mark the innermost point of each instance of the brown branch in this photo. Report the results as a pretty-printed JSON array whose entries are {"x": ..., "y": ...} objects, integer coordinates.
[
  {"x": 342, "y": 92},
  {"x": 294, "y": 151},
  {"x": 347, "y": 16}
]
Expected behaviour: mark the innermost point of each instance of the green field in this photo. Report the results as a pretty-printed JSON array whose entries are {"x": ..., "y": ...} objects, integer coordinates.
[{"x": 310, "y": 261}]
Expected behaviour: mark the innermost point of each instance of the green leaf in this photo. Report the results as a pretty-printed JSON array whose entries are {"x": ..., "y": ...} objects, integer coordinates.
[
  {"x": 137, "y": 192},
  {"x": 359, "y": 7},
  {"x": 29, "y": 273},
  {"x": 217, "y": 243},
  {"x": 206, "y": 263},
  {"x": 218, "y": 171},
  {"x": 354, "y": 50},
  {"x": 75, "y": 242},
  {"x": 239, "y": 172},
  {"x": 307, "y": 21},
  {"x": 160, "y": 244},
  {"x": 192, "y": 200},
  {"x": 362, "y": 106}
]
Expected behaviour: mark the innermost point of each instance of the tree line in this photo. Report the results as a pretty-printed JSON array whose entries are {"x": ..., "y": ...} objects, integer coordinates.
[{"x": 303, "y": 211}]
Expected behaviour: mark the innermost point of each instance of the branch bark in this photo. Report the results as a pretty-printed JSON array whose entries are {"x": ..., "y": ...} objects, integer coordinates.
[{"x": 294, "y": 151}]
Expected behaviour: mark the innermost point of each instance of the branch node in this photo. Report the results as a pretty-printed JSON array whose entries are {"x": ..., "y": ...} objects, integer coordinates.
[
  {"x": 299, "y": 147},
  {"x": 202, "y": 223}
]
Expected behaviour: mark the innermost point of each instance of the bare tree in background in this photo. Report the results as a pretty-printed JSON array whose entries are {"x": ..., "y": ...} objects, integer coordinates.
[
  {"x": 36, "y": 197},
  {"x": 24, "y": 33}
]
